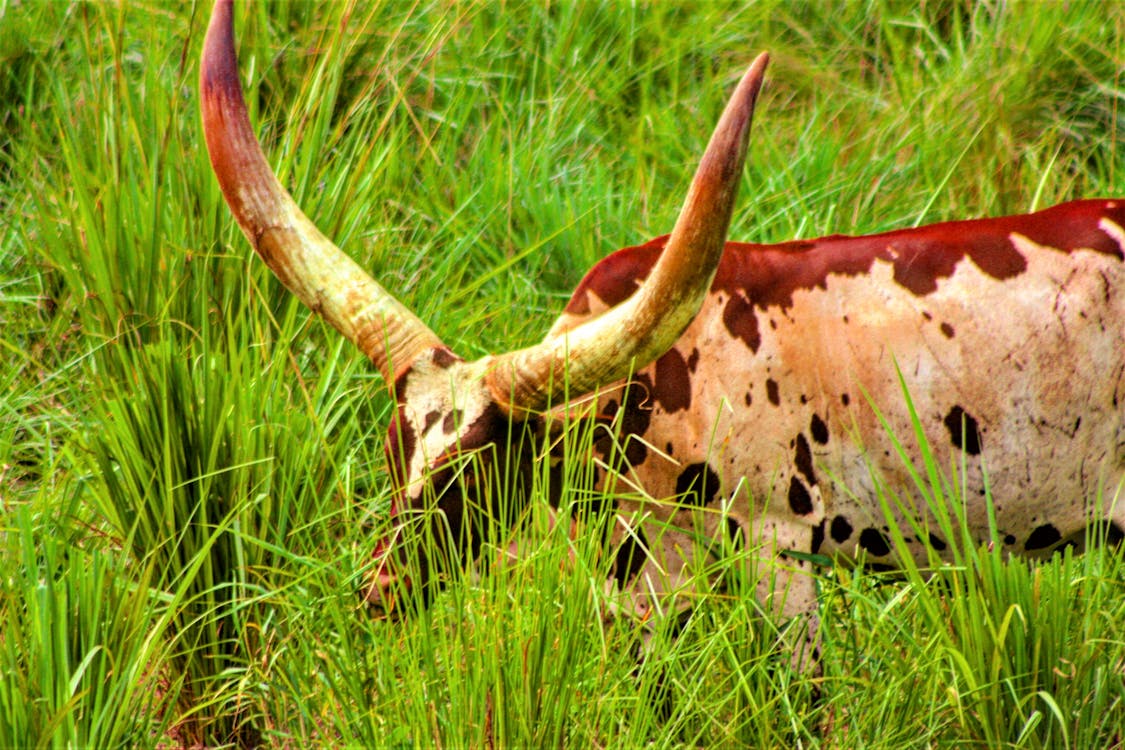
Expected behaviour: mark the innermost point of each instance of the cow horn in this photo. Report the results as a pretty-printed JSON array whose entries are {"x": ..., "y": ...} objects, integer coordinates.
[
  {"x": 308, "y": 263},
  {"x": 646, "y": 325}
]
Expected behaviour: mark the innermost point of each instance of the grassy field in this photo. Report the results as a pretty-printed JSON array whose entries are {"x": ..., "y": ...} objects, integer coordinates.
[{"x": 191, "y": 467}]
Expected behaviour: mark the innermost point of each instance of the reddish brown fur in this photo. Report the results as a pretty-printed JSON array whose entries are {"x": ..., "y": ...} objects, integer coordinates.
[{"x": 763, "y": 276}]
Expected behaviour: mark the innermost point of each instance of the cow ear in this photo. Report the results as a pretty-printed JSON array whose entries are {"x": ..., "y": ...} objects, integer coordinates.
[
  {"x": 642, "y": 328},
  {"x": 306, "y": 261}
]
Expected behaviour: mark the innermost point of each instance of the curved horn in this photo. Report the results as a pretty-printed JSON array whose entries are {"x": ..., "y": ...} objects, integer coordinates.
[
  {"x": 305, "y": 261},
  {"x": 646, "y": 325}
]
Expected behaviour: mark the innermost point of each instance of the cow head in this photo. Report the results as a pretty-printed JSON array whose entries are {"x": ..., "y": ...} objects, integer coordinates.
[{"x": 454, "y": 420}]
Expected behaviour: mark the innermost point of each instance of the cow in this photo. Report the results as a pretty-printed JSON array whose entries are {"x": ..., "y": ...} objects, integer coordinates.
[{"x": 755, "y": 393}]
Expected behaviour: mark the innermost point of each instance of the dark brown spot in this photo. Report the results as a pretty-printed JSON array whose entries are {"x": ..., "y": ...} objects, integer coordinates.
[
  {"x": 818, "y": 429},
  {"x": 963, "y": 430},
  {"x": 1042, "y": 537},
  {"x": 429, "y": 420},
  {"x": 672, "y": 389},
  {"x": 693, "y": 359},
  {"x": 748, "y": 398},
  {"x": 800, "y": 502},
  {"x": 802, "y": 458},
  {"x": 1105, "y": 532},
  {"x": 741, "y": 320},
  {"x": 622, "y": 422},
  {"x": 399, "y": 449},
  {"x": 697, "y": 485},
  {"x": 1009, "y": 539},
  {"x": 936, "y": 542},
  {"x": 840, "y": 530},
  {"x": 874, "y": 541},
  {"x": 772, "y": 392},
  {"x": 489, "y": 428},
  {"x": 636, "y": 418},
  {"x": 947, "y": 330},
  {"x": 817, "y": 537},
  {"x": 451, "y": 421},
  {"x": 845, "y": 399},
  {"x": 734, "y": 533},
  {"x": 443, "y": 357},
  {"x": 631, "y": 556}
]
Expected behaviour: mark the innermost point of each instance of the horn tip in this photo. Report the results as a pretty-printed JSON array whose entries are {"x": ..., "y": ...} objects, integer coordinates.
[
  {"x": 218, "y": 72},
  {"x": 752, "y": 80}
]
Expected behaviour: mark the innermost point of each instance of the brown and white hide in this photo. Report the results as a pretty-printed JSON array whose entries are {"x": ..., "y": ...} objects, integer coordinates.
[{"x": 1009, "y": 334}]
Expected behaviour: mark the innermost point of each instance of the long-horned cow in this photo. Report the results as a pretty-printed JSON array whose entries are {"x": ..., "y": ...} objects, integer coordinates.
[{"x": 737, "y": 383}]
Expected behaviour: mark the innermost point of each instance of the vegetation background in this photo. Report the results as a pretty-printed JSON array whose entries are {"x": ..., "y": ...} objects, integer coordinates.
[{"x": 191, "y": 472}]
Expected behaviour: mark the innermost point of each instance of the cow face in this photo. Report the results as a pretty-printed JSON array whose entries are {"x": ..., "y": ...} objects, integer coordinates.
[
  {"x": 444, "y": 411},
  {"x": 459, "y": 466},
  {"x": 453, "y": 442}
]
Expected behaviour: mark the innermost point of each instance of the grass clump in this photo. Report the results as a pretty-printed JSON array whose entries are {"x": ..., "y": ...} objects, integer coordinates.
[{"x": 191, "y": 471}]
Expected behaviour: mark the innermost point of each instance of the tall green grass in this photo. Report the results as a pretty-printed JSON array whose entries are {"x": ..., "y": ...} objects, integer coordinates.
[{"x": 191, "y": 471}]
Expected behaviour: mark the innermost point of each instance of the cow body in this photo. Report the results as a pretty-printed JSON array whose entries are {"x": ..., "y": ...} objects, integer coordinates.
[
  {"x": 1010, "y": 337},
  {"x": 751, "y": 413}
]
